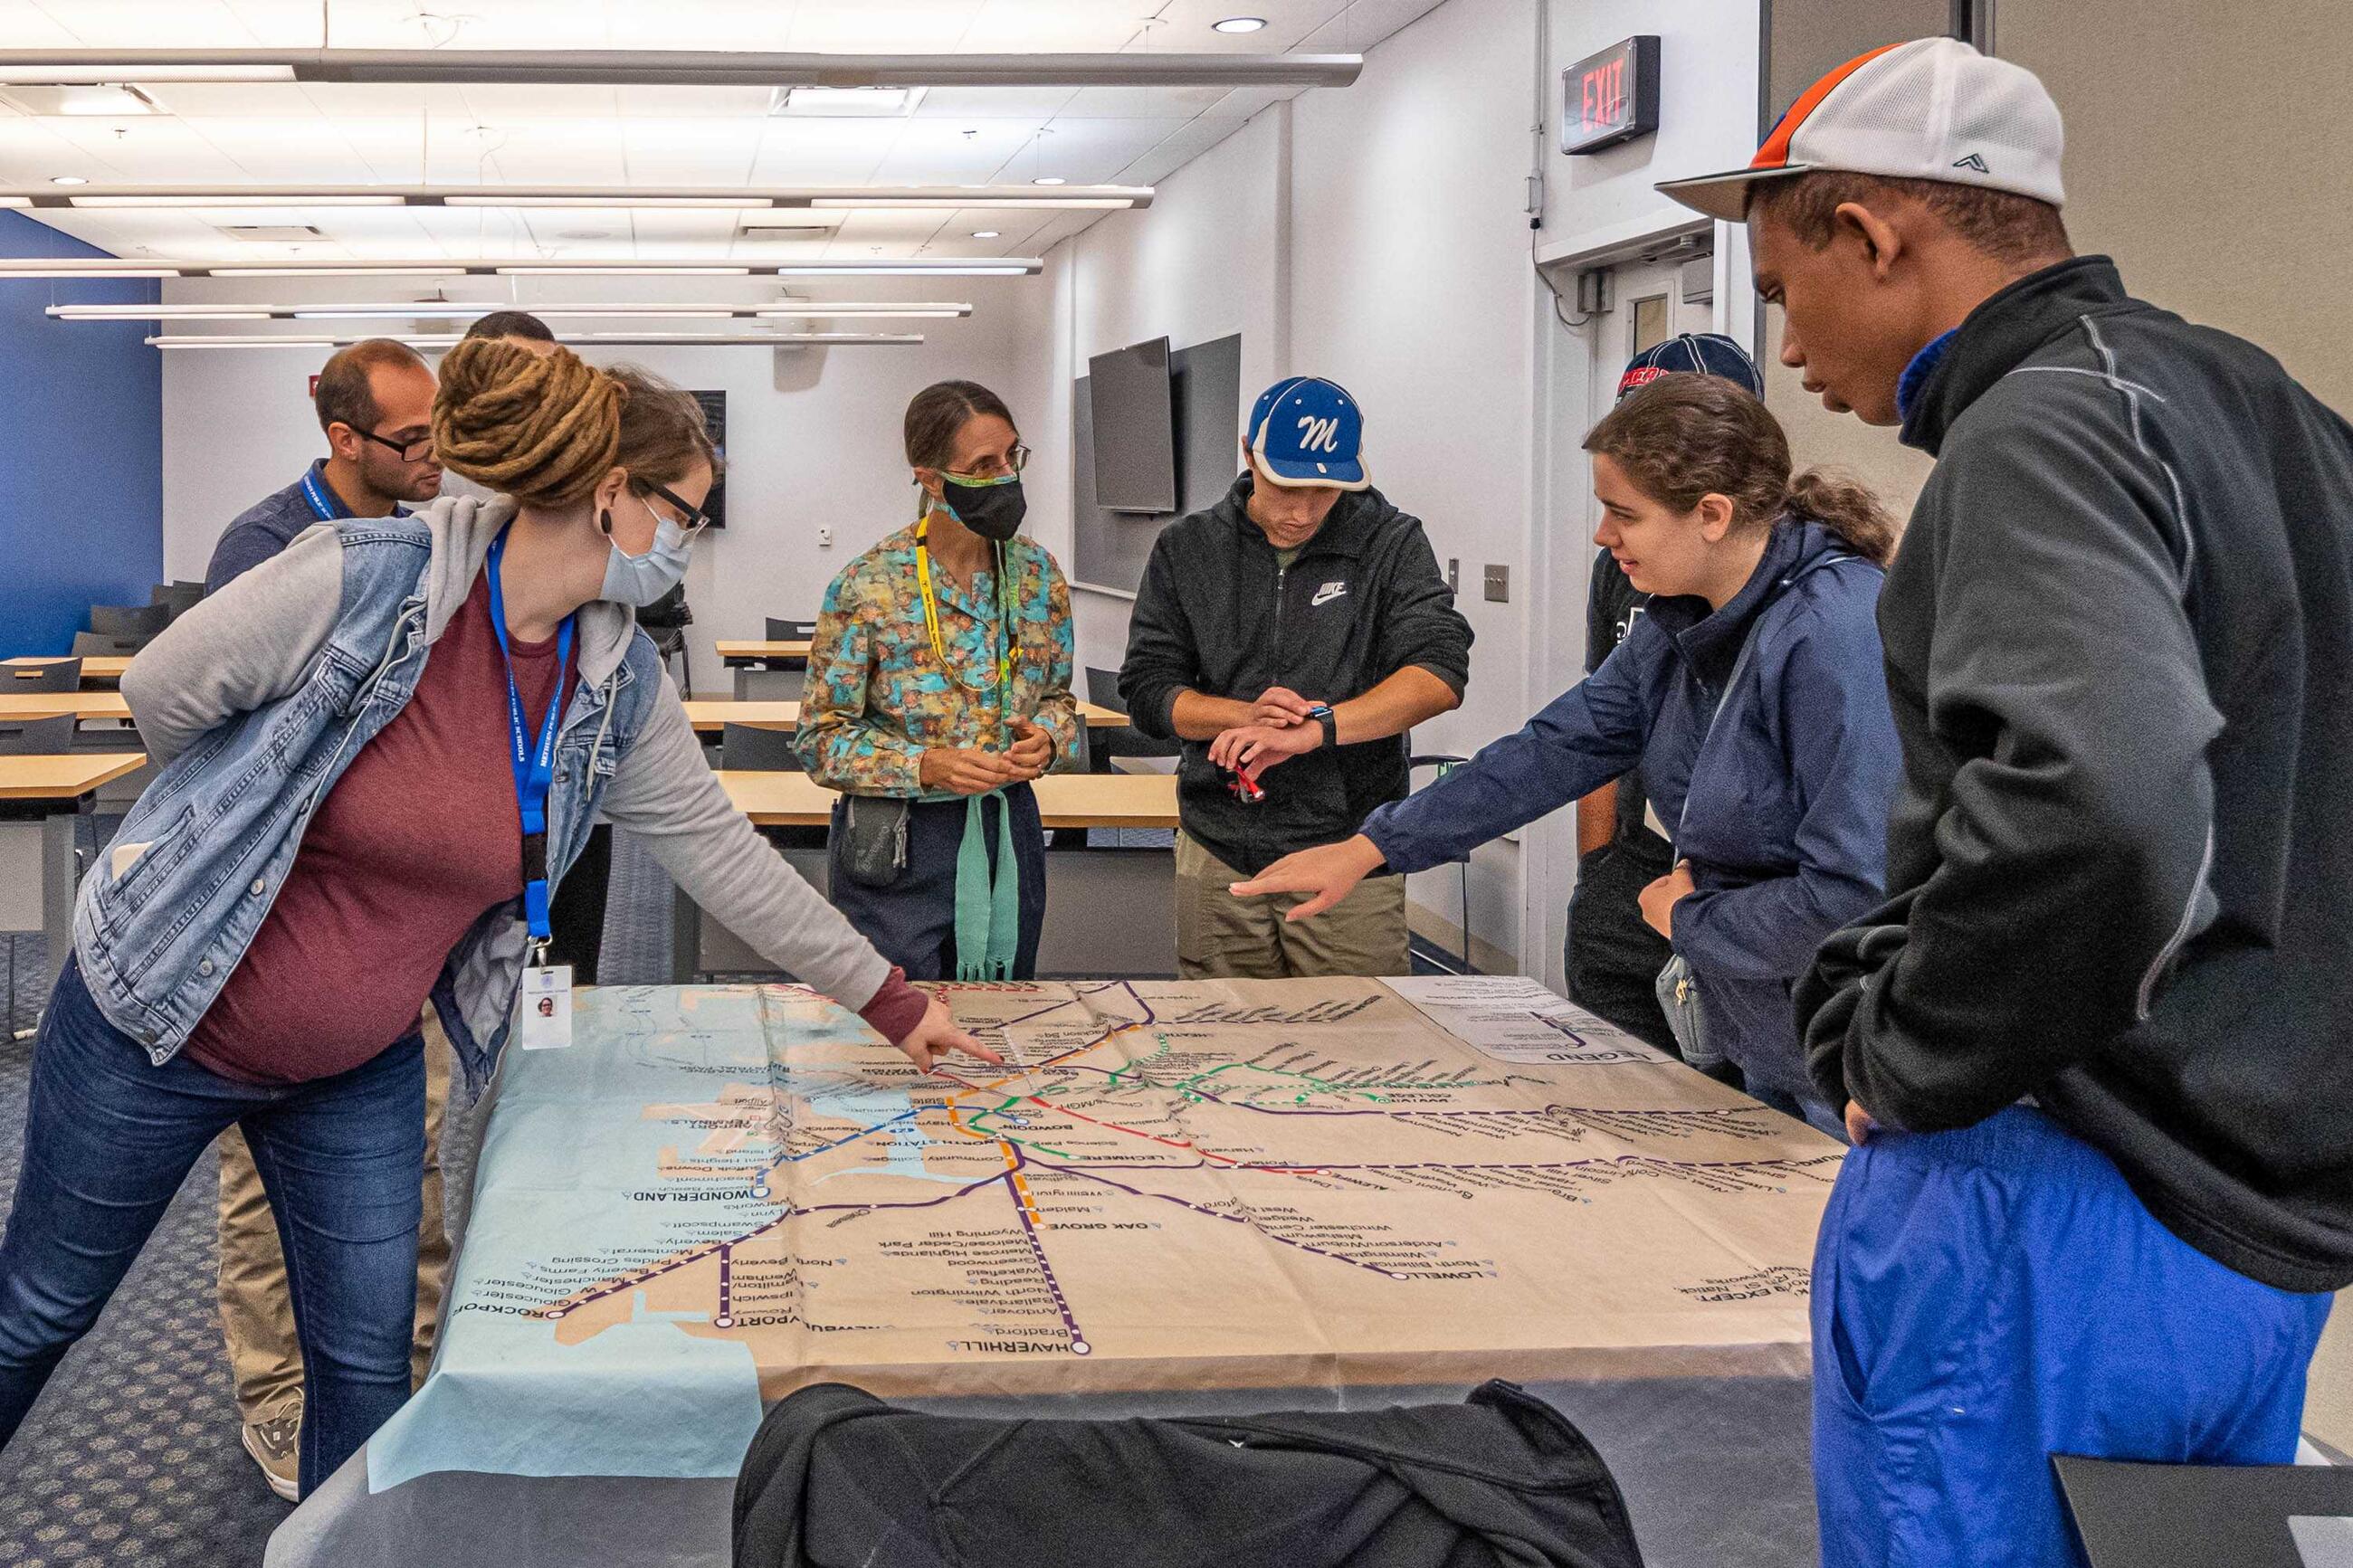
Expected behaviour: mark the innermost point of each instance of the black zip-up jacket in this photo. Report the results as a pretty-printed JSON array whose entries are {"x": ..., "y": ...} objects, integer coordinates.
[
  {"x": 835, "y": 1478},
  {"x": 1219, "y": 616},
  {"x": 2120, "y": 640}
]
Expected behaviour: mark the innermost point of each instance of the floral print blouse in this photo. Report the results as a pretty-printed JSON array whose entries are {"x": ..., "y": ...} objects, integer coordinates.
[{"x": 877, "y": 696}]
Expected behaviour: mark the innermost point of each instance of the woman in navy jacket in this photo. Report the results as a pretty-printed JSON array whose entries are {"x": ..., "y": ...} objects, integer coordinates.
[{"x": 1751, "y": 691}]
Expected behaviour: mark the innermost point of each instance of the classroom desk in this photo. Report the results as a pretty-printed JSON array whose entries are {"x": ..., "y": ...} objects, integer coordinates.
[
  {"x": 711, "y": 714},
  {"x": 96, "y": 668},
  {"x": 1064, "y": 800},
  {"x": 41, "y": 798},
  {"x": 1108, "y": 911},
  {"x": 49, "y": 704},
  {"x": 784, "y": 662}
]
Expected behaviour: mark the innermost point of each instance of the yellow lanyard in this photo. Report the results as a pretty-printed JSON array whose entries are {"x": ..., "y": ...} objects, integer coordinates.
[{"x": 932, "y": 611}]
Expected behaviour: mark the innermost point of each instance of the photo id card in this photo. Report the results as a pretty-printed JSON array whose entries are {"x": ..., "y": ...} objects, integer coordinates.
[{"x": 543, "y": 1010}]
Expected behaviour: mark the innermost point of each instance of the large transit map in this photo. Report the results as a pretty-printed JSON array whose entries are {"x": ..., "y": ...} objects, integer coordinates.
[{"x": 719, "y": 1195}]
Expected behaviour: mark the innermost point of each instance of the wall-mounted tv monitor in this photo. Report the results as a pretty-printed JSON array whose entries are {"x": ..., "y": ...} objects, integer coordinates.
[
  {"x": 1134, "y": 428},
  {"x": 714, "y": 419}
]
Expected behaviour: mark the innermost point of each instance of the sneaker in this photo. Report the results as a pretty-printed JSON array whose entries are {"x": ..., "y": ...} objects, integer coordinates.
[{"x": 276, "y": 1444}]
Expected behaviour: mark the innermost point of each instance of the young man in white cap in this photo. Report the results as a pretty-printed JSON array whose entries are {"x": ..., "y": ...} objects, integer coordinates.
[
  {"x": 2092, "y": 1046},
  {"x": 1289, "y": 635}
]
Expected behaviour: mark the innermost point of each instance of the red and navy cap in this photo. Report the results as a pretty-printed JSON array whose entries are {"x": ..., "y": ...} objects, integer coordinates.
[{"x": 1698, "y": 354}]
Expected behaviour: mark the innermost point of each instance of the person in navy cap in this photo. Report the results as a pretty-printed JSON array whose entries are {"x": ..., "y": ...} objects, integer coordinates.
[
  {"x": 1289, "y": 635},
  {"x": 1612, "y": 957}
]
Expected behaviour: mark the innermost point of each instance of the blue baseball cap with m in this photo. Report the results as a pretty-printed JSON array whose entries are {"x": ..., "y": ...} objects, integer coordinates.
[{"x": 1308, "y": 434}]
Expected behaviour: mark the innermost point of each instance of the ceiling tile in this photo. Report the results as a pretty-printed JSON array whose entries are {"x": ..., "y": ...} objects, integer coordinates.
[{"x": 880, "y": 26}]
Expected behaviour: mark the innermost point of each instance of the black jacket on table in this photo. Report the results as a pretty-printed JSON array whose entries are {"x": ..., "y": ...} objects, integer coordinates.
[
  {"x": 1218, "y": 615},
  {"x": 2119, "y": 642},
  {"x": 836, "y": 1478}
]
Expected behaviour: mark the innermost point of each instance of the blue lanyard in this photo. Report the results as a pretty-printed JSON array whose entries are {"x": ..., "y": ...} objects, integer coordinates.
[
  {"x": 534, "y": 767},
  {"x": 322, "y": 506}
]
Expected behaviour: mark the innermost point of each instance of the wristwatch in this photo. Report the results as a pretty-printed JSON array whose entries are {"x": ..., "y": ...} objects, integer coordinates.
[{"x": 1322, "y": 713}]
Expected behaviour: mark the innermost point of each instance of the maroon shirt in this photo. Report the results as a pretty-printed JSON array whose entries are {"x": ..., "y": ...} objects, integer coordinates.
[{"x": 420, "y": 837}]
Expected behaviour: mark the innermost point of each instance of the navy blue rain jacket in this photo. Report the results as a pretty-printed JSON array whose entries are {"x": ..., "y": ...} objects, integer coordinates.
[{"x": 1782, "y": 806}]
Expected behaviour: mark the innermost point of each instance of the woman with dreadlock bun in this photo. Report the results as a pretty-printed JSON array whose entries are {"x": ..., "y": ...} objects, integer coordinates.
[{"x": 381, "y": 752}]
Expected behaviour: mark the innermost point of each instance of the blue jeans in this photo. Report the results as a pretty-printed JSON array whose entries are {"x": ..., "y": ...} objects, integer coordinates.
[
  {"x": 108, "y": 1140},
  {"x": 1987, "y": 1298}
]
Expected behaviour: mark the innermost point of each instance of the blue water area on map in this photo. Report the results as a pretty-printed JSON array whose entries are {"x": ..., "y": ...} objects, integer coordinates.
[{"x": 567, "y": 1143}]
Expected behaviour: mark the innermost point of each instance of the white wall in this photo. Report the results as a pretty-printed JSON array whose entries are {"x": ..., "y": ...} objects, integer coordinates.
[
  {"x": 1379, "y": 235},
  {"x": 813, "y": 436}
]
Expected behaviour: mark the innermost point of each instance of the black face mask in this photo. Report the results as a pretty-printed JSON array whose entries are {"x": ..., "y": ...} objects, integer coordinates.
[{"x": 993, "y": 512}]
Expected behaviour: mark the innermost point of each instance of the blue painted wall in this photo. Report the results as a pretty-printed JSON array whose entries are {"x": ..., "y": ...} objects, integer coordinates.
[{"x": 81, "y": 450}]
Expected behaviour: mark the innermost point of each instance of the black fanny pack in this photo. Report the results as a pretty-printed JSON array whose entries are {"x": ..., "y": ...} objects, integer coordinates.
[{"x": 873, "y": 839}]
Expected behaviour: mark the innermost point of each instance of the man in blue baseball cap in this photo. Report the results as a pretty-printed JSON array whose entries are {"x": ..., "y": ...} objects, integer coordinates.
[
  {"x": 1612, "y": 957},
  {"x": 1289, "y": 635}
]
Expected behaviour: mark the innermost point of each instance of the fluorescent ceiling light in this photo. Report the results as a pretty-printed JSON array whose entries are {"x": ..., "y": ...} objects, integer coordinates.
[
  {"x": 752, "y": 199},
  {"x": 493, "y": 197},
  {"x": 1049, "y": 180},
  {"x": 109, "y": 100},
  {"x": 232, "y": 198},
  {"x": 608, "y": 340},
  {"x": 433, "y": 312},
  {"x": 340, "y": 270},
  {"x": 1239, "y": 25},
  {"x": 239, "y": 341},
  {"x": 847, "y": 102},
  {"x": 545, "y": 266},
  {"x": 679, "y": 67},
  {"x": 68, "y": 180},
  {"x": 908, "y": 269},
  {"x": 791, "y": 218},
  {"x": 988, "y": 204},
  {"x": 463, "y": 311},
  {"x": 46, "y": 268},
  {"x": 624, "y": 270},
  {"x": 941, "y": 309},
  {"x": 68, "y": 75},
  {"x": 986, "y": 233}
]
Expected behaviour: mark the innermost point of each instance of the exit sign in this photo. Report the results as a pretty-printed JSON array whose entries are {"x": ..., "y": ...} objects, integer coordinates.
[{"x": 1610, "y": 97}]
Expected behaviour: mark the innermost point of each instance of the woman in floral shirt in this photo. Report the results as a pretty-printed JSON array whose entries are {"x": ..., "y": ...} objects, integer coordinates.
[{"x": 939, "y": 686}]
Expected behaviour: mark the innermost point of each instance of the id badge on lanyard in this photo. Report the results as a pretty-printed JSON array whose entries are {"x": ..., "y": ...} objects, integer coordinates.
[{"x": 542, "y": 1018}]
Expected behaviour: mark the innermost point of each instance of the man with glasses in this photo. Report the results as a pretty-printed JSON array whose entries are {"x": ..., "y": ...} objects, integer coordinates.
[{"x": 375, "y": 401}]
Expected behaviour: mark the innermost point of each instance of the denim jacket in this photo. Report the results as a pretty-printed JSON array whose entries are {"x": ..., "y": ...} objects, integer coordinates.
[{"x": 257, "y": 701}]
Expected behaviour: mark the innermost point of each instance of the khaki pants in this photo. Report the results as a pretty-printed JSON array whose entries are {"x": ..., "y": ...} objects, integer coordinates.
[
  {"x": 1221, "y": 937},
  {"x": 256, "y": 1311}
]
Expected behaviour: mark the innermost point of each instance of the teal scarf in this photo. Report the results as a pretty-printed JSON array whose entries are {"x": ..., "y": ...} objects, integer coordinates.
[{"x": 987, "y": 909}]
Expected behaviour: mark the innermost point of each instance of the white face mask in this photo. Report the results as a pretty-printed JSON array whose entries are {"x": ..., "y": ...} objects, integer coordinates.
[{"x": 639, "y": 580}]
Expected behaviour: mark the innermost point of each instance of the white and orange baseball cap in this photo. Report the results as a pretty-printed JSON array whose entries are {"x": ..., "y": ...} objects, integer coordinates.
[{"x": 1934, "y": 108}]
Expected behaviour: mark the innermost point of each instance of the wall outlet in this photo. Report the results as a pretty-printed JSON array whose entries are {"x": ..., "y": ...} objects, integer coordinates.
[
  {"x": 1499, "y": 584},
  {"x": 1454, "y": 574},
  {"x": 824, "y": 539}
]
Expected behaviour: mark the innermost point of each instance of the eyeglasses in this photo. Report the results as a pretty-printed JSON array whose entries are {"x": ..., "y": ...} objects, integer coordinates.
[
  {"x": 1010, "y": 468},
  {"x": 691, "y": 519},
  {"x": 414, "y": 451}
]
